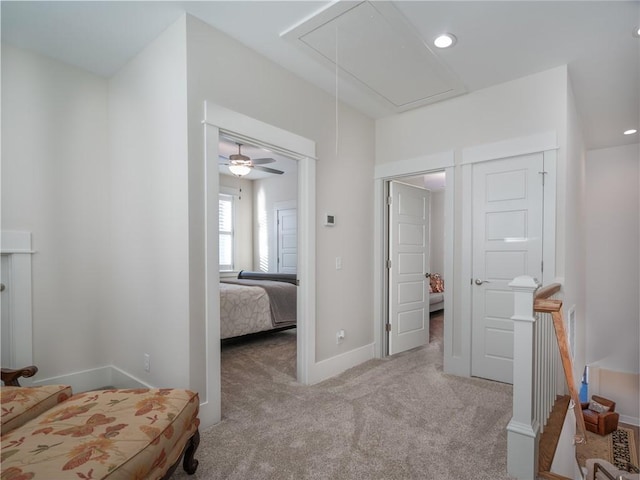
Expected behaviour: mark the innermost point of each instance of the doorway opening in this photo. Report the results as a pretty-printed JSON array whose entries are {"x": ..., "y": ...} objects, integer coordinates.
[
  {"x": 221, "y": 121},
  {"x": 414, "y": 220},
  {"x": 258, "y": 264}
]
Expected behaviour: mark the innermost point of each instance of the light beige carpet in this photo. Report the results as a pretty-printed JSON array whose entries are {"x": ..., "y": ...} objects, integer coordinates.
[{"x": 395, "y": 418}]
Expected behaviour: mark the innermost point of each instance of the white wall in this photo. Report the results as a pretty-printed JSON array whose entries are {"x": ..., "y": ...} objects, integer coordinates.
[
  {"x": 527, "y": 106},
  {"x": 571, "y": 193},
  {"x": 54, "y": 162},
  {"x": 522, "y": 107},
  {"x": 225, "y": 72},
  {"x": 271, "y": 193},
  {"x": 613, "y": 264},
  {"x": 149, "y": 219}
]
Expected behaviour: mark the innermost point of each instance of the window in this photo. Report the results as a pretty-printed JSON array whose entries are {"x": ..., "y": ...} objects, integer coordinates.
[{"x": 225, "y": 227}]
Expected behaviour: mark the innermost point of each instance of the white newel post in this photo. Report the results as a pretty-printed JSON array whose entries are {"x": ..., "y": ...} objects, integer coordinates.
[{"x": 523, "y": 429}]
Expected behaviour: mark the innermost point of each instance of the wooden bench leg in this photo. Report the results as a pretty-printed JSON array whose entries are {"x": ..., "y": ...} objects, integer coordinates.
[{"x": 189, "y": 463}]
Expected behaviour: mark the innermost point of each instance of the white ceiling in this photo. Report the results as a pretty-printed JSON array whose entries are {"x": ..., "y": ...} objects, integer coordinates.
[{"x": 497, "y": 42}]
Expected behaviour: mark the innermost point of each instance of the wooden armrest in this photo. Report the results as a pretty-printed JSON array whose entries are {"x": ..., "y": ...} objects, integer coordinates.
[
  {"x": 598, "y": 467},
  {"x": 10, "y": 376}
]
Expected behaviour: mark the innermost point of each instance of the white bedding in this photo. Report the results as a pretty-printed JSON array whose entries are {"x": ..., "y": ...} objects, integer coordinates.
[{"x": 243, "y": 310}]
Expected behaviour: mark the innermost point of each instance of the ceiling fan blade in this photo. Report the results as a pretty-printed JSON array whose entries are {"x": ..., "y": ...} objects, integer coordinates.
[
  {"x": 268, "y": 170},
  {"x": 222, "y": 157},
  {"x": 262, "y": 161}
]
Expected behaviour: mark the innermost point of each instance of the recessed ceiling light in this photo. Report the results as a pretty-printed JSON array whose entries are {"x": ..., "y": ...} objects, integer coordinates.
[
  {"x": 636, "y": 32},
  {"x": 445, "y": 40},
  {"x": 631, "y": 131}
]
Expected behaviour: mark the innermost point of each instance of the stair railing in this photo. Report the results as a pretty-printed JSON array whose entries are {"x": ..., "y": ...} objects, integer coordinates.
[{"x": 540, "y": 346}]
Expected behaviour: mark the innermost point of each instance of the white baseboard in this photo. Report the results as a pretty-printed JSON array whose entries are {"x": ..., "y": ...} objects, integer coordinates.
[
  {"x": 92, "y": 379},
  {"x": 335, "y": 365},
  {"x": 630, "y": 420}
]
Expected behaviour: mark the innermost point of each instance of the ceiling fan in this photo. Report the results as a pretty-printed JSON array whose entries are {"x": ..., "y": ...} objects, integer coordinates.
[{"x": 240, "y": 165}]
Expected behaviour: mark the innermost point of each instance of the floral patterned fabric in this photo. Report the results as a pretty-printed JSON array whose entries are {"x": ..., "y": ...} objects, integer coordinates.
[
  {"x": 21, "y": 404},
  {"x": 436, "y": 283},
  {"x": 106, "y": 434}
]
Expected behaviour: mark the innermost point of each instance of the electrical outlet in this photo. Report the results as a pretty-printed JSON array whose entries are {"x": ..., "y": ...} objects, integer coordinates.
[
  {"x": 339, "y": 337},
  {"x": 147, "y": 362}
]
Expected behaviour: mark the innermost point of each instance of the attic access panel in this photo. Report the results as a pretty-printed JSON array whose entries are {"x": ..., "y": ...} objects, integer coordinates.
[{"x": 375, "y": 46}]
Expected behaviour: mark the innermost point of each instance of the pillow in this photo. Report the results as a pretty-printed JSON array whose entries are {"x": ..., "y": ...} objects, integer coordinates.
[
  {"x": 436, "y": 283},
  {"x": 597, "y": 407}
]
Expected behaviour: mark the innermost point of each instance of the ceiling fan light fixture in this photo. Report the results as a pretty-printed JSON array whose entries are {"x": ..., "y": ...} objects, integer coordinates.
[
  {"x": 445, "y": 40},
  {"x": 239, "y": 170}
]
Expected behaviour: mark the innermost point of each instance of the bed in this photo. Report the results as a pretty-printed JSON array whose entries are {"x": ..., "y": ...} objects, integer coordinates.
[{"x": 257, "y": 302}]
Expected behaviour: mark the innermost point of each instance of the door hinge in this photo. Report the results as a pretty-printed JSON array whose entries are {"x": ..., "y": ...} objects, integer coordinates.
[
  {"x": 389, "y": 200},
  {"x": 542, "y": 265},
  {"x": 387, "y": 327},
  {"x": 388, "y": 264},
  {"x": 543, "y": 176}
]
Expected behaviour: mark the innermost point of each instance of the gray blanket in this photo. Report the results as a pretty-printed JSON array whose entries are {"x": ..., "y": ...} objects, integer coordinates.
[{"x": 282, "y": 298}]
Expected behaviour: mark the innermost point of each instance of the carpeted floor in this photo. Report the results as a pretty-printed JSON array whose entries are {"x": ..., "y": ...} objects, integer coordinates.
[
  {"x": 395, "y": 418},
  {"x": 618, "y": 448}
]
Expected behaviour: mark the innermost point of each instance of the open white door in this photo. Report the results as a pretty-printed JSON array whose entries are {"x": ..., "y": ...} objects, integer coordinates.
[
  {"x": 507, "y": 242},
  {"x": 287, "y": 240},
  {"x": 408, "y": 267}
]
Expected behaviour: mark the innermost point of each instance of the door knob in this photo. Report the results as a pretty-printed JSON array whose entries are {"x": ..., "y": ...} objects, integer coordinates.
[
  {"x": 480, "y": 282},
  {"x": 427, "y": 275},
  {"x": 2, "y": 287}
]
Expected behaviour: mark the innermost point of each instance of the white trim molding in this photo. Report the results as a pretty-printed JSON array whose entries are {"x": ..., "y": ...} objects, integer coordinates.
[
  {"x": 219, "y": 120},
  {"x": 512, "y": 147},
  {"x": 92, "y": 379},
  {"x": 414, "y": 166},
  {"x": 333, "y": 366},
  {"x": 443, "y": 161}
]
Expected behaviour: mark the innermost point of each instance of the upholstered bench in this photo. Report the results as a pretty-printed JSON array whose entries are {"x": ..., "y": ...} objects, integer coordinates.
[
  {"x": 107, "y": 434},
  {"x": 21, "y": 404}
]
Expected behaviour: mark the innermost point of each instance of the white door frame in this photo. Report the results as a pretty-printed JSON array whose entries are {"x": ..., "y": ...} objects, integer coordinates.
[
  {"x": 17, "y": 247},
  {"x": 459, "y": 362},
  {"x": 457, "y": 350},
  {"x": 391, "y": 171},
  {"x": 218, "y": 120}
]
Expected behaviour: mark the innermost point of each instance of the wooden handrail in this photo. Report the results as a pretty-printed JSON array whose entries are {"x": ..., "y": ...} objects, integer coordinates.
[
  {"x": 545, "y": 305},
  {"x": 546, "y": 292},
  {"x": 554, "y": 307}
]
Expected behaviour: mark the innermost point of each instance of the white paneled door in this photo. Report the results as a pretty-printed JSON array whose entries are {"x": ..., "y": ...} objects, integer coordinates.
[
  {"x": 507, "y": 242},
  {"x": 287, "y": 240},
  {"x": 409, "y": 266},
  {"x": 5, "y": 333}
]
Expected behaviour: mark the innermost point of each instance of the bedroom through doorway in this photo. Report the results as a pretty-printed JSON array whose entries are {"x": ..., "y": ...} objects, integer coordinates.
[
  {"x": 415, "y": 238},
  {"x": 258, "y": 237}
]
